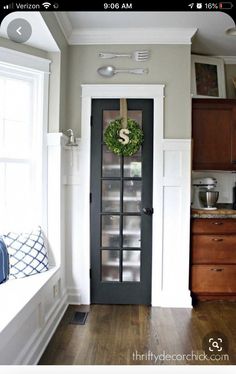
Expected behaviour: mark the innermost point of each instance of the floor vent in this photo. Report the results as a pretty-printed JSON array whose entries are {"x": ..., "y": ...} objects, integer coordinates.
[{"x": 79, "y": 318}]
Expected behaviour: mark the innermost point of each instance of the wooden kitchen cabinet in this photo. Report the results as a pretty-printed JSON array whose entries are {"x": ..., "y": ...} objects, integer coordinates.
[
  {"x": 214, "y": 134},
  {"x": 213, "y": 259}
]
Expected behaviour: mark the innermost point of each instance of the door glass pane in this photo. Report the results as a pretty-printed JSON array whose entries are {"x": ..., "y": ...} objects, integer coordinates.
[
  {"x": 133, "y": 165},
  {"x": 132, "y": 196},
  {"x": 108, "y": 116},
  {"x": 131, "y": 266},
  {"x": 111, "y": 163},
  {"x": 110, "y": 231},
  {"x": 131, "y": 231},
  {"x": 110, "y": 266},
  {"x": 111, "y": 196}
]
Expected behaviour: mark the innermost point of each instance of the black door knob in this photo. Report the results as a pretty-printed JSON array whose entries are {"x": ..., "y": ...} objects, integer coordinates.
[{"x": 148, "y": 211}]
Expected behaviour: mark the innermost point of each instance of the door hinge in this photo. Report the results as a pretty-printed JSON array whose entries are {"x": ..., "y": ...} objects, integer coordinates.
[
  {"x": 91, "y": 120},
  {"x": 90, "y": 197},
  {"x": 90, "y": 273}
]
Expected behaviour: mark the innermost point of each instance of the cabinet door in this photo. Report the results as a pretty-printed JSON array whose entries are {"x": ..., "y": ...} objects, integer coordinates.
[
  {"x": 213, "y": 249},
  {"x": 213, "y": 278},
  {"x": 215, "y": 226},
  {"x": 214, "y": 134}
]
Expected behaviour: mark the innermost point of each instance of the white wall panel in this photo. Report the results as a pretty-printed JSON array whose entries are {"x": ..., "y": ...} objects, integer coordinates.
[
  {"x": 171, "y": 233},
  {"x": 172, "y": 164},
  {"x": 174, "y": 229}
]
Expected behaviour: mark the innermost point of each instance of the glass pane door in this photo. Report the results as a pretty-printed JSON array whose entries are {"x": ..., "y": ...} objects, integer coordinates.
[
  {"x": 121, "y": 186},
  {"x": 121, "y": 233}
]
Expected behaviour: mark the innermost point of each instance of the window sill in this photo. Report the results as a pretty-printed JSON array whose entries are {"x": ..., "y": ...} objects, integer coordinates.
[{"x": 16, "y": 293}]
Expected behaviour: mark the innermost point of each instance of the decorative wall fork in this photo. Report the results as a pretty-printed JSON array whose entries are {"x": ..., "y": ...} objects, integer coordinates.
[{"x": 136, "y": 55}]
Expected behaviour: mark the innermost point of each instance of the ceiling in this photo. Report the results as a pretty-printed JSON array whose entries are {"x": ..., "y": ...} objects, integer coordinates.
[{"x": 207, "y": 29}]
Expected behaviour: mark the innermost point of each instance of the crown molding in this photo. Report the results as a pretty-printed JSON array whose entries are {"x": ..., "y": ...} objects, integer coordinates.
[
  {"x": 132, "y": 36},
  {"x": 65, "y": 24},
  {"x": 229, "y": 60},
  {"x": 155, "y": 35}
]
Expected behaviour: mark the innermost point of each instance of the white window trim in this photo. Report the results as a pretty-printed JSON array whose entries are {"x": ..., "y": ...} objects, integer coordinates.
[
  {"x": 24, "y": 60},
  {"x": 37, "y": 68}
]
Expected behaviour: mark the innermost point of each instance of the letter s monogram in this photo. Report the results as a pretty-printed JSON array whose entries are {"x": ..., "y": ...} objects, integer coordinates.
[{"x": 123, "y": 135}]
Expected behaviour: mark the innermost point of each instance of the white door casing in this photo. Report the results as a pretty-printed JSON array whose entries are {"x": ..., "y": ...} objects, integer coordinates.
[{"x": 171, "y": 200}]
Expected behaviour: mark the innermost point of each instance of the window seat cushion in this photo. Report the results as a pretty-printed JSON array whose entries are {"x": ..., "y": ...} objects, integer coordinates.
[
  {"x": 28, "y": 253},
  {"x": 4, "y": 261}
]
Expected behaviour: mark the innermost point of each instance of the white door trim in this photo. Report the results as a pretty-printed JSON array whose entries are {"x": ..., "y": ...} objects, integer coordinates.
[{"x": 159, "y": 271}]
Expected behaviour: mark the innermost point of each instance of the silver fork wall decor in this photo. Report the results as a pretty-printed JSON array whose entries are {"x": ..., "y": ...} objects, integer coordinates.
[{"x": 136, "y": 55}]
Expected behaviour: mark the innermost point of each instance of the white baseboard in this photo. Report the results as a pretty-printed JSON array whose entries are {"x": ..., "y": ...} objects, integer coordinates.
[
  {"x": 175, "y": 299},
  {"x": 74, "y": 296}
]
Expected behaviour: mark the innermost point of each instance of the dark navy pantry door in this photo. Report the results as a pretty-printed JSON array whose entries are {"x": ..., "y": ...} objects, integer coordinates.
[{"x": 121, "y": 209}]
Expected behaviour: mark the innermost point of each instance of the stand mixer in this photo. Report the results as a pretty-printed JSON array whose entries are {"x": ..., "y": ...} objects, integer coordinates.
[{"x": 203, "y": 195}]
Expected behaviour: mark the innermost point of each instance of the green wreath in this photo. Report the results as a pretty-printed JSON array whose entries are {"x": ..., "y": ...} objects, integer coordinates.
[{"x": 126, "y": 144}]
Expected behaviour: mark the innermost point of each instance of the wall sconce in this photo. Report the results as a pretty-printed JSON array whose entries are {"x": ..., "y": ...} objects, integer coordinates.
[{"x": 71, "y": 142}]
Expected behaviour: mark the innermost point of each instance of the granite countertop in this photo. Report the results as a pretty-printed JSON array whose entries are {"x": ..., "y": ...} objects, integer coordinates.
[{"x": 222, "y": 211}]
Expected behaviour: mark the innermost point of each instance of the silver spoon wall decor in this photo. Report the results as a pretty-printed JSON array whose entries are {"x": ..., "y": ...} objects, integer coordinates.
[{"x": 110, "y": 71}]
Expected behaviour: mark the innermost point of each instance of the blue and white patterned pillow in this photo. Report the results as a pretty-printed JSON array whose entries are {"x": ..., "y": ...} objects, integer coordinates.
[{"x": 27, "y": 253}]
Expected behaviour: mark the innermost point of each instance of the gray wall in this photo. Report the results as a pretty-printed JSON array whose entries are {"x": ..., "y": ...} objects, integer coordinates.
[{"x": 169, "y": 65}]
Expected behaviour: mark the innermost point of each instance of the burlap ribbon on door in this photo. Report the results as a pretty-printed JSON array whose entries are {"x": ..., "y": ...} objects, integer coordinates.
[{"x": 124, "y": 113}]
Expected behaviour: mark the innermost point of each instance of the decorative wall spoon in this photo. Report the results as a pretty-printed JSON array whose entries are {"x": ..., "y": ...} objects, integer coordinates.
[{"x": 109, "y": 71}]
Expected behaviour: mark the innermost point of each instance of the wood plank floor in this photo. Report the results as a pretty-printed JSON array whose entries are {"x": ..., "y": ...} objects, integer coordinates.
[{"x": 133, "y": 334}]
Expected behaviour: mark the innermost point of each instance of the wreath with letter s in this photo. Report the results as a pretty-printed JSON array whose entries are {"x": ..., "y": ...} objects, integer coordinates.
[{"x": 122, "y": 140}]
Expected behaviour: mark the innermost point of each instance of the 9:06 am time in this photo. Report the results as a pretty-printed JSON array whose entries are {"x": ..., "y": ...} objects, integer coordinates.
[{"x": 116, "y": 6}]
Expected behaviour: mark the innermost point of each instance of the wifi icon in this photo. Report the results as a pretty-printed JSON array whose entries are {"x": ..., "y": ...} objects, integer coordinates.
[{"x": 46, "y": 5}]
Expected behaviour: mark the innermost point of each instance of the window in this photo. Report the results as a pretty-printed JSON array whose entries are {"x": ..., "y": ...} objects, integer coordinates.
[{"x": 22, "y": 202}]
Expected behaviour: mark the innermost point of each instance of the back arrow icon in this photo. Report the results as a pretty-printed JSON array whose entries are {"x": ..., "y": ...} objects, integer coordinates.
[{"x": 18, "y": 30}]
